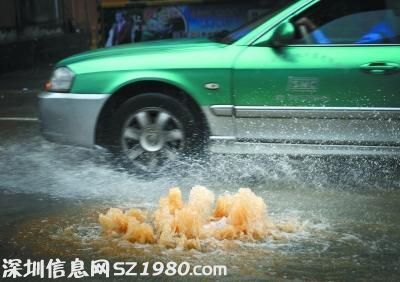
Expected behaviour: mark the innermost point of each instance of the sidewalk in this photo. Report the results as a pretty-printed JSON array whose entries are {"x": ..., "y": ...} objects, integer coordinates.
[{"x": 19, "y": 90}]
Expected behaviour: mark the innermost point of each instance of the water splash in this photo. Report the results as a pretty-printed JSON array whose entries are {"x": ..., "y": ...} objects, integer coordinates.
[{"x": 175, "y": 224}]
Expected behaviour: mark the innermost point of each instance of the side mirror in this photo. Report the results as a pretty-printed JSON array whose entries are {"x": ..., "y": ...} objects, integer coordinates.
[{"x": 283, "y": 35}]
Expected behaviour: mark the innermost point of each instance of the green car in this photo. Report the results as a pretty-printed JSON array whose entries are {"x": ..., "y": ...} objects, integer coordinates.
[{"x": 309, "y": 77}]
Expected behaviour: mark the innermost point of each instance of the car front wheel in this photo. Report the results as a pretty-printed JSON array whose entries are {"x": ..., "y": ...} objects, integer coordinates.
[{"x": 153, "y": 132}]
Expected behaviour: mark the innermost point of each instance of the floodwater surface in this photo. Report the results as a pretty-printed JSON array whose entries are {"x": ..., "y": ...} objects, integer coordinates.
[{"x": 344, "y": 211}]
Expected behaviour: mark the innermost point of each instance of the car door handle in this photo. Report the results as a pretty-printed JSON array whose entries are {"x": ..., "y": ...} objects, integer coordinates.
[{"x": 380, "y": 68}]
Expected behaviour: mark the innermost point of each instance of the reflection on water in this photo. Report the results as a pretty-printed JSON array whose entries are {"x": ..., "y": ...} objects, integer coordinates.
[{"x": 347, "y": 211}]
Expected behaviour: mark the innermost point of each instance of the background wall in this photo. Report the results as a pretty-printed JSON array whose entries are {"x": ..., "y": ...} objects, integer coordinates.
[{"x": 45, "y": 31}]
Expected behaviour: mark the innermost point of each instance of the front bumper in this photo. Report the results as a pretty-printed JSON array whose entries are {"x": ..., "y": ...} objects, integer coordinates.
[{"x": 70, "y": 118}]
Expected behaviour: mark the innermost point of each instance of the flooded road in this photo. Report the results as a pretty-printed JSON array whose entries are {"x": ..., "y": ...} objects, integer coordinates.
[{"x": 347, "y": 210}]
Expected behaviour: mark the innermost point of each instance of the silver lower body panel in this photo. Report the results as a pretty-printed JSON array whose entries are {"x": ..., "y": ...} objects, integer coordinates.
[
  {"x": 305, "y": 130},
  {"x": 70, "y": 118},
  {"x": 219, "y": 125},
  {"x": 226, "y": 146}
]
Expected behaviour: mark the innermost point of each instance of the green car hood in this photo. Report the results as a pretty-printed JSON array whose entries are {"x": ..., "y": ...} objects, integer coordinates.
[{"x": 145, "y": 48}]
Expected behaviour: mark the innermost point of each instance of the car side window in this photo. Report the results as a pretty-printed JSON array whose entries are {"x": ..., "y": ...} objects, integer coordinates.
[{"x": 349, "y": 22}]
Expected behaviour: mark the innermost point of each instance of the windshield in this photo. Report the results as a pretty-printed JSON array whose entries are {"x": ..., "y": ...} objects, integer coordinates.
[{"x": 227, "y": 37}]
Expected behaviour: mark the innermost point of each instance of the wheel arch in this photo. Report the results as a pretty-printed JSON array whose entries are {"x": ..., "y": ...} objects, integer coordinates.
[{"x": 135, "y": 88}]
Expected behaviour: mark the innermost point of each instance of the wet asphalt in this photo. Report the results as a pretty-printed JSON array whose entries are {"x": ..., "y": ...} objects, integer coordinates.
[{"x": 39, "y": 180}]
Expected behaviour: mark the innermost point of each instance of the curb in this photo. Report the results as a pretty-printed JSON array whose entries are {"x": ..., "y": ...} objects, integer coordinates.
[
  {"x": 11, "y": 97},
  {"x": 20, "y": 103}
]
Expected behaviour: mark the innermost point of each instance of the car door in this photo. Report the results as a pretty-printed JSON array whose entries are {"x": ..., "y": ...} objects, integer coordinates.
[{"x": 337, "y": 83}]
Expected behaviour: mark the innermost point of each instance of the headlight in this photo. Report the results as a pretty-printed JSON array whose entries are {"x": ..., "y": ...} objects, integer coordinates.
[{"x": 61, "y": 80}]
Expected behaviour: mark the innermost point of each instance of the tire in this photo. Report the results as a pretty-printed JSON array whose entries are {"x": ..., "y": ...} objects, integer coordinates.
[{"x": 151, "y": 133}]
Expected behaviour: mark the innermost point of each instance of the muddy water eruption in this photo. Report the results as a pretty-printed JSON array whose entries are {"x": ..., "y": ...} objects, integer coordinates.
[{"x": 175, "y": 224}]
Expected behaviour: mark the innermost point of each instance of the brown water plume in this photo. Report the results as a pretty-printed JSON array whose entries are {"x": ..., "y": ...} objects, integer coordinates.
[{"x": 175, "y": 224}]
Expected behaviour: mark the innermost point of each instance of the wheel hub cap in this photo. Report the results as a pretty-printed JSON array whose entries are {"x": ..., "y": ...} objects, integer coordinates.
[
  {"x": 152, "y": 140},
  {"x": 152, "y": 137}
]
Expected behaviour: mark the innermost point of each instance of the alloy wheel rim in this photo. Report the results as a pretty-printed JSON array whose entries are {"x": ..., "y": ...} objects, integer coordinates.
[{"x": 152, "y": 137}]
